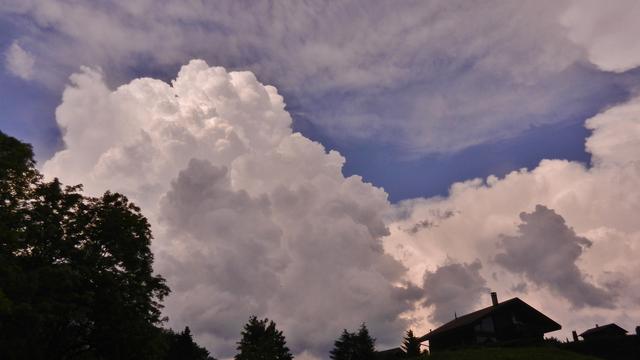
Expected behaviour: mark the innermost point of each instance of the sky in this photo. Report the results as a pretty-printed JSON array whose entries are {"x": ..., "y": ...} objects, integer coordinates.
[{"x": 326, "y": 164}]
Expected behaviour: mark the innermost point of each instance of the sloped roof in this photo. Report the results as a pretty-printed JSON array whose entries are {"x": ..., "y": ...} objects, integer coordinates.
[
  {"x": 471, "y": 318},
  {"x": 609, "y": 328}
]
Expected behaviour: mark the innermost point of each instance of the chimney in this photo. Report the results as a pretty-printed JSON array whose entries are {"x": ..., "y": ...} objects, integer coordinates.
[
  {"x": 575, "y": 336},
  {"x": 638, "y": 330},
  {"x": 494, "y": 298}
]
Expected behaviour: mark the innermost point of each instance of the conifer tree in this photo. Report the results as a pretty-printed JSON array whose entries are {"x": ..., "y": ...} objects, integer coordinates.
[
  {"x": 411, "y": 345},
  {"x": 343, "y": 347},
  {"x": 365, "y": 344},
  {"x": 354, "y": 346},
  {"x": 262, "y": 341}
]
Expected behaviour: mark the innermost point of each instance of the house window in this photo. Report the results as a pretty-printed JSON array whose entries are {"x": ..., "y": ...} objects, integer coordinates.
[
  {"x": 485, "y": 331},
  {"x": 485, "y": 326}
]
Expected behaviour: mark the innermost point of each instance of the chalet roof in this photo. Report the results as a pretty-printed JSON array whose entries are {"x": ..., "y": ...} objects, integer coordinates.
[
  {"x": 471, "y": 318},
  {"x": 604, "y": 329}
]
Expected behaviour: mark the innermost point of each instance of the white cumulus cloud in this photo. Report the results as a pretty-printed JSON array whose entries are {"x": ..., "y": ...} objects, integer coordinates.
[
  {"x": 248, "y": 217},
  {"x": 572, "y": 253},
  {"x": 607, "y": 30}
]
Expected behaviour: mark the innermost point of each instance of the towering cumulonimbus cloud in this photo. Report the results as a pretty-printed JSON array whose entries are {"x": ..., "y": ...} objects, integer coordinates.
[
  {"x": 248, "y": 217},
  {"x": 564, "y": 235}
]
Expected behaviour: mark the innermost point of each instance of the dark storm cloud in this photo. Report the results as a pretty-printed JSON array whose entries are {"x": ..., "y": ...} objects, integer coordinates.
[
  {"x": 546, "y": 251},
  {"x": 453, "y": 288}
]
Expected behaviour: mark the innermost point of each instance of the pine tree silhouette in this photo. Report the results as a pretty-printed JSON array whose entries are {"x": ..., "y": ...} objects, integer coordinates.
[
  {"x": 354, "y": 346},
  {"x": 343, "y": 348},
  {"x": 262, "y": 341},
  {"x": 411, "y": 345}
]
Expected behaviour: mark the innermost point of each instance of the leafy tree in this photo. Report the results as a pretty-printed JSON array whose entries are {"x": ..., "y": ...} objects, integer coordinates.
[
  {"x": 354, "y": 346},
  {"x": 182, "y": 347},
  {"x": 17, "y": 173},
  {"x": 411, "y": 345},
  {"x": 262, "y": 341},
  {"x": 76, "y": 277}
]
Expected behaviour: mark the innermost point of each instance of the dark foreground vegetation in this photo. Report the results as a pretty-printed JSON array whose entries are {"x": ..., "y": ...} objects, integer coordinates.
[
  {"x": 76, "y": 277},
  {"x": 608, "y": 348}
]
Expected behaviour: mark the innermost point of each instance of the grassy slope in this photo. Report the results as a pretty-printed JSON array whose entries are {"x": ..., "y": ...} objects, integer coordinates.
[{"x": 509, "y": 354}]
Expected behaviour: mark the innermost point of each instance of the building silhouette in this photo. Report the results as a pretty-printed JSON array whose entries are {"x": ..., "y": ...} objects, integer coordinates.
[
  {"x": 512, "y": 321},
  {"x": 608, "y": 330}
]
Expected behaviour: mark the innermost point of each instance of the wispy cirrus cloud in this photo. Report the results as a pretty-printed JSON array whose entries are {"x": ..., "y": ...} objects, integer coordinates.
[
  {"x": 432, "y": 77},
  {"x": 19, "y": 62}
]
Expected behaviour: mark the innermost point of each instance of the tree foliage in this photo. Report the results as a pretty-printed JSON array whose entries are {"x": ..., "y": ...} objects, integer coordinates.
[
  {"x": 76, "y": 276},
  {"x": 354, "y": 346},
  {"x": 411, "y": 345},
  {"x": 262, "y": 341},
  {"x": 182, "y": 347}
]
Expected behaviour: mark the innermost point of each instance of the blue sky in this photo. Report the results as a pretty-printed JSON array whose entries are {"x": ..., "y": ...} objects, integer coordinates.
[{"x": 406, "y": 176}]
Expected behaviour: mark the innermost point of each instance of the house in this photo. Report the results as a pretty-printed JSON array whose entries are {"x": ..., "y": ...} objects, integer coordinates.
[
  {"x": 608, "y": 330},
  {"x": 509, "y": 321}
]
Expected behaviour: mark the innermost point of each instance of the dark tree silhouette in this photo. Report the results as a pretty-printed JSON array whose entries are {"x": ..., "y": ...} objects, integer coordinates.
[
  {"x": 262, "y": 341},
  {"x": 182, "y": 347},
  {"x": 76, "y": 276},
  {"x": 354, "y": 346},
  {"x": 343, "y": 347},
  {"x": 411, "y": 345}
]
